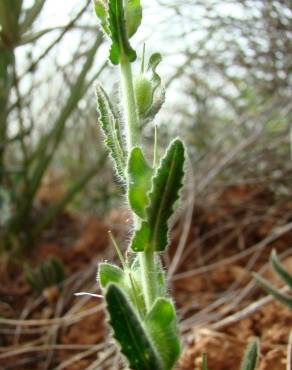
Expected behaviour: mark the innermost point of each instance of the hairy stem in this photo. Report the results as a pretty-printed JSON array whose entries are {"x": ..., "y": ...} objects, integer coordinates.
[
  {"x": 129, "y": 104},
  {"x": 147, "y": 258},
  {"x": 147, "y": 262}
]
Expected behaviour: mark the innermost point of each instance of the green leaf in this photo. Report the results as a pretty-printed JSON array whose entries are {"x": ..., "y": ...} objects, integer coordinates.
[
  {"x": 249, "y": 361},
  {"x": 120, "y": 44},
  {"x": 280, "y": 270},
  {"x": 139, "y": 181},
  {"x": 166, "y": 184},
  {"x": 133, "y": 16},
  {"x": 129, "y": 332},
  {"x": 155, "y": 93},
  {"x": 158, "y": 92},
  {"x": 110, "y": 126},
  {"x": 128, "y": 281},
  {"x": 281, "y": 297},
  {"x": 161, "y": 324},
  {"x": 141, "y": 237},
  {"x": 101, "y": 10},
  {"x": 154, "y": 60},
  {"x": 204, "y": 362},
  {"x": 108, "y": 273}
]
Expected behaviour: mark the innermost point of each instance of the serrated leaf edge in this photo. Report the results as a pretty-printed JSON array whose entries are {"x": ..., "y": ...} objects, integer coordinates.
[
  {"x": 151, "y": 191},
  {"x": 116, "y": 150}
]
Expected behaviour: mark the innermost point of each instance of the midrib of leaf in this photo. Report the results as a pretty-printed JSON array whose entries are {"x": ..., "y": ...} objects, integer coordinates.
[
  {"x": 137, "y": 348},
  {"x": 121, "y": 17},
  {"x": 118, "y": 135},
  {"x": 116, "y": 132},
  {"x": 163, "y": 199},
  {"x": 120, "y": 39},
  {"x": 124, "y": 310},
  {"x": 117, "y": 140}
]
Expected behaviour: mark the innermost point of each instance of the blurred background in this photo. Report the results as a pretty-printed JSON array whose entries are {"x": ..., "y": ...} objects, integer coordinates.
[{"x": 227, "y": 72}]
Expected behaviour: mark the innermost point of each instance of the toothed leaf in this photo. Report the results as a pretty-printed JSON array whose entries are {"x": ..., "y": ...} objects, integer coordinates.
[
  {"x": 118, "y": 34},
  {"x": 111, "y": 129},
  {"x": 101, "y": 10},
  {"x": 281, "y": 297},
  {"x": 280, "y": 270},
  {"x": 139, "y": 181},
  {"x": 129, "y": 332},
  {"x": 133, "y": 16},
  {"x": 166, "y": 184},
  {"x": 161, "y": 323},
  {"x": 249, "y": 361}
]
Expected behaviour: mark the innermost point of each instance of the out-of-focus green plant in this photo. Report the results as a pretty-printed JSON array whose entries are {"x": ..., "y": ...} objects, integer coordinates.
[
  {"x": 140, "y": 311},
  {"x": 249, "y": 361},
  {"x": 20, "y": 182},
  {"x": 285, "y": 275},
  {"x": 48, "y": 272},
  {"x": 250, "y": 357}
]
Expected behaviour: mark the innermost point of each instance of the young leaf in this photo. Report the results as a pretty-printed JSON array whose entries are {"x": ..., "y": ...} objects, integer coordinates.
[
  {"x": 101, "y": 10},
  {"x": 281, "y": 297},
  {"x": 161, "y": 324},
  {"x": 108, "y": 273},
  {"x": 158, "y": 92},
  {"x": 150, "y": 95},
  {"x": 250, "y": 355},
  {"x": 139, "y": 181},
  {"x": 133, "y": 16},
  {"x": 154, "y": 60},
  {"x": 280, "y": 270},
  {"x": 111, "y": 129},
  {"x": 166, "y": 184},
  {"x": 130, "y": 334},
  {"x": 118, "y": 33},
  {"x": 127, "y": 281}
]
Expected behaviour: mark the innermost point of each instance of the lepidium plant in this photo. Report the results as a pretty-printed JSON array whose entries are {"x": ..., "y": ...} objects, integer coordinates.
[{"x": 140, "y": 311}]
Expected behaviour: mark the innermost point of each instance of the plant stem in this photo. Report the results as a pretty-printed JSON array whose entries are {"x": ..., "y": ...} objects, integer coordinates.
[
  {"x": 129, "y": 104},
  {"x": 147, "y": 258},
  {"x": 147, "y": 263}
]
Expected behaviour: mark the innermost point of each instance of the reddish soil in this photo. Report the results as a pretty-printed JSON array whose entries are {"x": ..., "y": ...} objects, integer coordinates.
[{"x": 231, "y": 235}]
